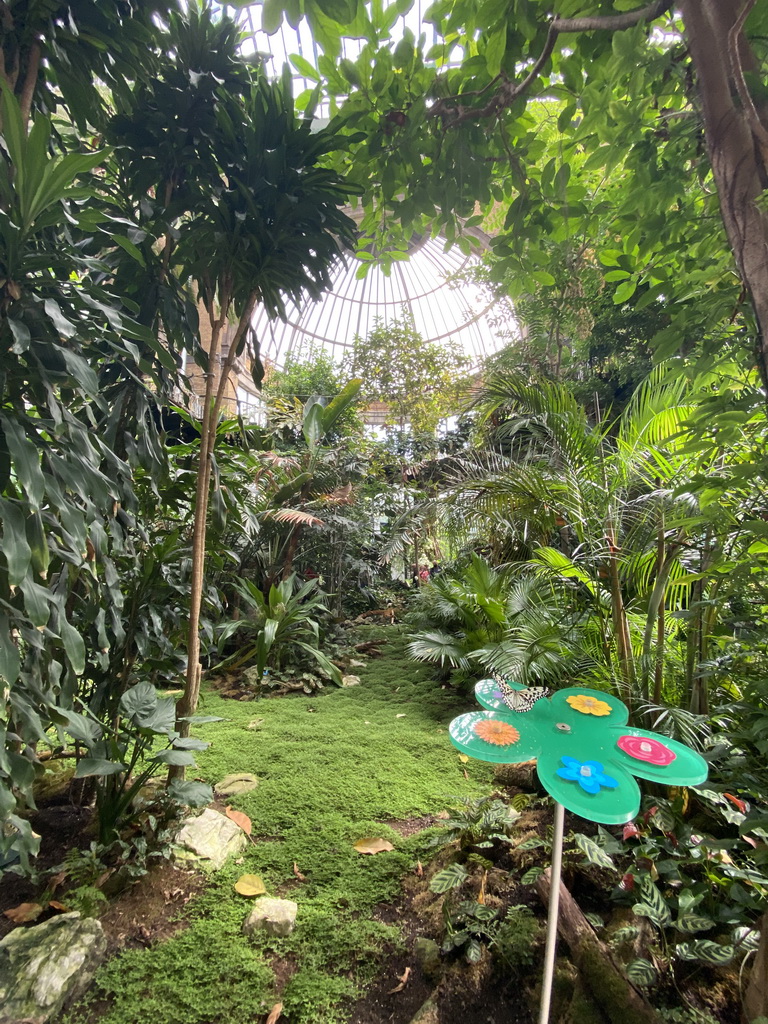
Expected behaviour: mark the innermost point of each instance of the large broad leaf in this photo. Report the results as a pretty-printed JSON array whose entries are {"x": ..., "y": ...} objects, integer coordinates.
[
  {"x": 98, "y": 766},
  {"x": 339, "y": 405},
  {"x": 189, "y": 743},
  {"x": 190, "y": 794},
  {"x": 82, "y": 728},
  {"x": 139, "y": 702},
  {"x": 176, "y": 757},
  {"x": 641, "y": 973},
  {"x": 312, "y": 425}
]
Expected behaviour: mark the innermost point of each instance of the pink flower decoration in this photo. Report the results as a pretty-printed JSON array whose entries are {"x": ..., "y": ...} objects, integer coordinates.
[{"x": 643, "y": 748}]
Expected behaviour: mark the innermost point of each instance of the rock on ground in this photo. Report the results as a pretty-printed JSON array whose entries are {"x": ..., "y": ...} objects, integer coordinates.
[
  {"x": 278, "y": 917},
  {"x": 236, "y": 784},
  {"x": 44, "y": 967},
  {"x": 211, "y": 837}
]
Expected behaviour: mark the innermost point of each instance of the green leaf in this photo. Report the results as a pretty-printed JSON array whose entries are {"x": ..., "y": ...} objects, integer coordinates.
[
  {"x": 594, "y": 854},
  {"x": 531, "y": 875},
  {"x": 495, "y": 50},
  {"x": 706, "y": 951},
  {"x": 690, "y": 922},
  {"x": 88, "y": 766},
  {"x": 175, "y": 757},
  {"x": 654, "y": 905},
  {"x": 304, "y": 68},
  {"x": 74, "y": 645},
  {"x": 18, "y": 554},
  {"x": 190, "y": 794},
  {"x": 189, "y": 743},
  {"x": 449, "y": 878},
  {"x": 624, "y": 292},
  {"x": 82, "y": 728},
  {"x": 641, "y": 973}
]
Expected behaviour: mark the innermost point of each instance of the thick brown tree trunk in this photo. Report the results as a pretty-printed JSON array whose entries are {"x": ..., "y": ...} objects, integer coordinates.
[{"x": 736, "y": 131}]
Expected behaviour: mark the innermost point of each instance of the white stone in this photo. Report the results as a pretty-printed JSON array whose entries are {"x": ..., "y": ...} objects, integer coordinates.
[
  {"x": 278, "y": 917},
  {"x": 44, "y": 967},
  {"x": 210, "y": 838}
]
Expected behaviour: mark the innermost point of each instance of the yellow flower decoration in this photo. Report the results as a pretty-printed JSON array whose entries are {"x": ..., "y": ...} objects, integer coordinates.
[
  {"x": 501, "y": 734},
  {"x": 589, "y": 705}
]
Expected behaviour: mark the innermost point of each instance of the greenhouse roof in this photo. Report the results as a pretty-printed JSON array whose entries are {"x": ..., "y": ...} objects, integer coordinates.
[{"x": 431, "y": 286}]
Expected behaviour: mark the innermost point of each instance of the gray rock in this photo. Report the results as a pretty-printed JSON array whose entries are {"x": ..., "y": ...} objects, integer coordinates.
[
  {"x": 427, "y": 954},
  {"x": 236, "y": 784},
  {"x": 44, "y": 967},
  {"x": 278, "y": 917},
  {"x": 209, "y": 839}
]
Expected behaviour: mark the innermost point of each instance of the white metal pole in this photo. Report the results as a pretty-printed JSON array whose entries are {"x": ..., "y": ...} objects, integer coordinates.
[{"x": 554, "y": 906}]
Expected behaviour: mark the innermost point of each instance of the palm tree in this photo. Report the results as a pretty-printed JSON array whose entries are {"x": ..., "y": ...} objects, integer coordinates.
[{"x": 599, "y": 511}]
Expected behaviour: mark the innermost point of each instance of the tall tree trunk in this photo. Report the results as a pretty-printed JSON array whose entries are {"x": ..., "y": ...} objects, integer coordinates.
[
  {"x": 736, "y": 130},
  {"x": 212, "y": 404}
]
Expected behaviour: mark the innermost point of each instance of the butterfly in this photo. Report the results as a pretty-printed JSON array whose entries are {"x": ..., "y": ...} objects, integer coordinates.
[{"x": 520, "y": 700}]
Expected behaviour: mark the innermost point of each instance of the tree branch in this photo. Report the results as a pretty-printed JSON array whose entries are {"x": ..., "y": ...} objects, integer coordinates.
[
  {"x": 30, "y": 81},
  {"x": 453, "y": 113},
  {"x": 613, "y": 22}
]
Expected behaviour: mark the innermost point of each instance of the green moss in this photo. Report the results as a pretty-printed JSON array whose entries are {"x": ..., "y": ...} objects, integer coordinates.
[
  {"x": 204, "y": 975},
  {"x": 332, "y": 768}
]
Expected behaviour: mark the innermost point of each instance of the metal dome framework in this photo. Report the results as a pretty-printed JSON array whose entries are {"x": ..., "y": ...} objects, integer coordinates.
[
  {"x": 430, "y": 287},
  {"x": 433, "y": 285}
]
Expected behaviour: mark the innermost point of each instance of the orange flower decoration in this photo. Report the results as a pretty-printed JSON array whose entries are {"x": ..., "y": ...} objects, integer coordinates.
[
  {"x": 501, "y": 734},
  {"x": 589, "y": 705}
]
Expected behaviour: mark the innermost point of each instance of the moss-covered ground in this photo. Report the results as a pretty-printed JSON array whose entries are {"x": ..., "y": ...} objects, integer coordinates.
[{"x": 332, "y": 768}]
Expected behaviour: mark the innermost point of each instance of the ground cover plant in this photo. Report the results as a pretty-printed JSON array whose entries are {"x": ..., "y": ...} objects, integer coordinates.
[{"x": 332, "y": 769}]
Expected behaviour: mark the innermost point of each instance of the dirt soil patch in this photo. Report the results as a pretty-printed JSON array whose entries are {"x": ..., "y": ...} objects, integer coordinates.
[{"x": 149, "y": 911}]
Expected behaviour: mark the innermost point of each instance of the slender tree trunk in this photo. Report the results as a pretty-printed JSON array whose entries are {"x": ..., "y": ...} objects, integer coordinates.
[
  {"x": 736, "y": 129},
  {"x": 211, "y": 409}
]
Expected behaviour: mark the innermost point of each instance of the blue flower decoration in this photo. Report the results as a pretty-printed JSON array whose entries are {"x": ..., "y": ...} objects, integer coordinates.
[{"x": 589, "y": 775}]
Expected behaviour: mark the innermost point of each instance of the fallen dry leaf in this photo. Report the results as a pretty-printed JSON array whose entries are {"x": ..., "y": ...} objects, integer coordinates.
[
  {"x": 58, "y": 906},
  {"x": 274, "y": 1014},
  {"x": 403, "y": 979},
  {"x": 463, "y": 758},
  {"x": 23, "y": 913},
  {"x": 370, "y": 845},
  {"x": 419, "y": 869},
  {"x": 301, "y": 878},
  {"x": 240, "y": 819},
  {"x": 465, "y": 773},
  {"x": 442, "y": 815},
  {"x": 56, "y": 880},
  {"x": 250, "y": 885}
]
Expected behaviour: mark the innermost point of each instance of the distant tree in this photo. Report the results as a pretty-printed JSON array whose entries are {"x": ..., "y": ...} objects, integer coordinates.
[{"x": 420, "y": 381}]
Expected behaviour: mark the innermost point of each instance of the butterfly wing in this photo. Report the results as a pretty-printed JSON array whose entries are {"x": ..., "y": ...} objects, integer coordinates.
[{"x": 521, "y": 701}]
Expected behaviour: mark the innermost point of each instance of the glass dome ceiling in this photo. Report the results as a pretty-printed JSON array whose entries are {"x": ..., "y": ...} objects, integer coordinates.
[{"x": 431, "y": 285}]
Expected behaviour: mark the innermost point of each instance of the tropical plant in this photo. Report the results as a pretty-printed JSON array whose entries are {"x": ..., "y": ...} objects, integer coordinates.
[
  {"x": 477, "y": 824},
  {"x": 282, "y": 621},
  {"x": 602, "y": 513},
  {"x": 122, "y": 756},
  {"x": 245, "y": 210},
  {"x": 67, "y": 478}
]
